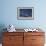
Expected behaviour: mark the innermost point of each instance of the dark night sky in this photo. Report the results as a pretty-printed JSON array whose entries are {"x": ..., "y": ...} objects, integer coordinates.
[{"x": 25, "y": 12}]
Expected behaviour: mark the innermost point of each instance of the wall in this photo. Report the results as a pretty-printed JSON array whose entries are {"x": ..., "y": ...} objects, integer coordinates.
[{"x": 9, "y": 13}]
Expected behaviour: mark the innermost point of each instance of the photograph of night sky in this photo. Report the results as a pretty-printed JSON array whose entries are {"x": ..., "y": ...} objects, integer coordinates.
[{"x": 25, "y": 12}]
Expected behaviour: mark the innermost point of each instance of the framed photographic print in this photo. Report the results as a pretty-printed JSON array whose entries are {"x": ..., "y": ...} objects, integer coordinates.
[{"x": 25, "y": 13}]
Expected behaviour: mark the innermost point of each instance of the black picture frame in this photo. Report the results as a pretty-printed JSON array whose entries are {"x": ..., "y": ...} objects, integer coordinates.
[{"x": 25, "y": 13}]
